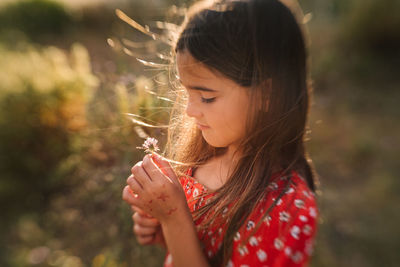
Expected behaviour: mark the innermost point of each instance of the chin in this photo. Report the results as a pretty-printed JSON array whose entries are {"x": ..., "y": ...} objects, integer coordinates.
[{"x": 214, "y": 143}]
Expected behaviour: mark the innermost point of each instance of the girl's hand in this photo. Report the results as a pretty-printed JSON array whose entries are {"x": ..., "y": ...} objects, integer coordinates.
[
  {"x": 147, "y": 229},
  {"x": 156, "y": 189}
]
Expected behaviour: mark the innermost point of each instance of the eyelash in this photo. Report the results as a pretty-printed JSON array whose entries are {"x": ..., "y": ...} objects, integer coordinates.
[{"x": 207, "y": 100}]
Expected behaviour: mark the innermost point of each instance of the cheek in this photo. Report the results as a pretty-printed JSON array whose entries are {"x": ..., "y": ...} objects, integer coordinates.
[
  {"x": 218, "y": 134},
  {"x": 231, "y": 125},
  {"x": 230, "y": 116},
  {"x": 238, "y": 115},
  {"x": 227, "y": 121}
]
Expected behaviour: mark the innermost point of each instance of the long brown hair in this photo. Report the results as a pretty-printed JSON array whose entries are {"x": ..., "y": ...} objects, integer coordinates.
[{"x": 260, "y": 45}]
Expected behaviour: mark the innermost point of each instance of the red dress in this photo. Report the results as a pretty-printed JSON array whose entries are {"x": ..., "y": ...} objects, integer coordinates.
[{"x": 285, "y": 237}]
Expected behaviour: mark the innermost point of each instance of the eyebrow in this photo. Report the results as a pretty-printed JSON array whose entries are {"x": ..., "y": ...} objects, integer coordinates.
[{"x": 199, "y": 88}]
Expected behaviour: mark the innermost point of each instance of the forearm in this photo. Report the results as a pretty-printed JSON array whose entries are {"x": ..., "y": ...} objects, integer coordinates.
[{"x": 183, "y": 244}]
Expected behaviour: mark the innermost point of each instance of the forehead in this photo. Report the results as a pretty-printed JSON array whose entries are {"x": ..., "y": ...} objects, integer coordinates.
[
  {"x": 193, "y": 73},
  {"x": 190, "y": 69}
]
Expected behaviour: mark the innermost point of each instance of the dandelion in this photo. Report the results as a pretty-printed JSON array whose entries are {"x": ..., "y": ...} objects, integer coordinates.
[{"x": 150, "y": 145}]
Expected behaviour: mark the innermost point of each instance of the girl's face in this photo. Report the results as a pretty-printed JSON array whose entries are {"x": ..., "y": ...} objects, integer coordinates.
[{"x": 218, "y": 104}]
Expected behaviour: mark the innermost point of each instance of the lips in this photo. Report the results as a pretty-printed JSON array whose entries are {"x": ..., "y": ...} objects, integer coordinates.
[{"x": 201, "y": 126}]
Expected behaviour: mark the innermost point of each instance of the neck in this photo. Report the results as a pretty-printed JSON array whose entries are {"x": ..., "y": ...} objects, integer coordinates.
[
  {"x": 229, "y": 159},
  {"x": 232, "y": 154}
]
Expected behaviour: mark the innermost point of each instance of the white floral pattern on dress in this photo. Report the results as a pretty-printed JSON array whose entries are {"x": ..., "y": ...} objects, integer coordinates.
[
  {"x": 290, "y": 191},
  {"x": 278, "y": 243},
  {"x": 297, "y": 257},
  {"x": 295, "y": 231},
  {"x": 284, "y": 216},
  {"x": 243, "y": 250},
  {"x": 213, "y": 241},
  {"x": 313, "y": 212},
  {"x": 307, "y": 194},
  {"x": 279, "y": 202},
  {"x": 309, "y": 247},
  {"x": 303, "y": 218},
  {"x": 307, "y": 229},
  {"x": 250, "y": 225},
  {"x": 195, "y": 192},
  {"x": 262, "y": 255},
  {"x": 253, "y": 241},
  {"x": 286, "y": 232},
  {"x": 267, "y": 219},
  {"x": 237, "y": 236},
  {"x": 288, "y": 251},
  {"x": 299, "y": 203},
  {"x": 273, "y": 186}
]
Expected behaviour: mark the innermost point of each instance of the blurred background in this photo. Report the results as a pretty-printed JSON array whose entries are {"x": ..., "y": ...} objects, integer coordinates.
[{"x": 69, "y": 75}]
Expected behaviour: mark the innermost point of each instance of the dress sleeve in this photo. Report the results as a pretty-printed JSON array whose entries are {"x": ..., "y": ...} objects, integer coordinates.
[{"x": 285, "y": 236}]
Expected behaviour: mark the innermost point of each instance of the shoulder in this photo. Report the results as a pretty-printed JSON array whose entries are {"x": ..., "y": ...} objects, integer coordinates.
[
  {"x": 290, "y": 193},
  {"x": 281, "y": 229},
  {"x": 289, "y": 206}
]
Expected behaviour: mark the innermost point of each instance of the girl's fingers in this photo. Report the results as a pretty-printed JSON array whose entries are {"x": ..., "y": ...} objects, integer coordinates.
[
  {"x": 141, "y": 230},
  {"x": 145, "y": 239},
  {"x": 134, "y": 184},
  {"x": 136, "y": 209},
  {"x": 144, "y": 220},
  {"x": 165, "y": 167},
  {"x": 151, "y": 167},
  {"x": 129, "y": 197},
  {"x": 140, "y": 175},
  {"x": 141, "y": 212}
]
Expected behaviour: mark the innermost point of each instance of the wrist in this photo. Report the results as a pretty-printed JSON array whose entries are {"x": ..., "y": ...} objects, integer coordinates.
[
  {"x": 180, "y": 216},
  {"x": 182, "y": 240}
]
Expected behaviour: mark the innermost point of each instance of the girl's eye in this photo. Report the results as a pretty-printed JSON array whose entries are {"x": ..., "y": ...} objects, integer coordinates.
[{"x": 207, "y": 100}]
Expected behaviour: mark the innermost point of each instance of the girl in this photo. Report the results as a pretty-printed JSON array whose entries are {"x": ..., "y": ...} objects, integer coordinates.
[{"x": 244, "y": 195}]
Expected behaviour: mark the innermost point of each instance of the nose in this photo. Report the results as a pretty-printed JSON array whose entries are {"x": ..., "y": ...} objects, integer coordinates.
[{"x": 192, "y": 110}]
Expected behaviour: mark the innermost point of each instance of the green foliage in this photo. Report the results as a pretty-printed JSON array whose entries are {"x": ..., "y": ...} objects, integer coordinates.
[
  {"x": 43, "y": 95},
  {"x": 35, "y": 18}
]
